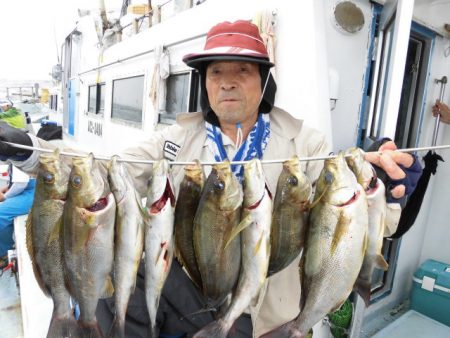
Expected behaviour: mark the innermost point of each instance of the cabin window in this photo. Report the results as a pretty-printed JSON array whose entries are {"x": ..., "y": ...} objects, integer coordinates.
[
  {"x": 96, "y": 99},
  {"x": 182, "y": 95},
  {"x": 54, "y": 101},
  {"x": 127, "y": 99}
]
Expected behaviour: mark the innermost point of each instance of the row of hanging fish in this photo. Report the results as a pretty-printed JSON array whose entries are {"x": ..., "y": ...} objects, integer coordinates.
[
  {"x": 343, "y": 241},
  {"x": 85, "y": 228}
]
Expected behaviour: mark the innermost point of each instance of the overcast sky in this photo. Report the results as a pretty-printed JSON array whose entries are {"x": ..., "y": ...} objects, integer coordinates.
[{"x": 28, "y": 29}]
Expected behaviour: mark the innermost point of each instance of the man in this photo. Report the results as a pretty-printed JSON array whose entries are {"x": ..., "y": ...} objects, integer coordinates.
[
  {"x": 16, "y": 198},
  {"x": 11, "y": 115},
  {"x": 237, "y": 102}
]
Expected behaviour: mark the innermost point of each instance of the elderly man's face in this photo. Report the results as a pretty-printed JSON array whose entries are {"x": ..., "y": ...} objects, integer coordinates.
[{"x": 234, "y": 90}]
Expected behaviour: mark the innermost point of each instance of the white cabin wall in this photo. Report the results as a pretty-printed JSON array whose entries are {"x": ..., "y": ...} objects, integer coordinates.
[
  {"x": 347, "y": 54},
  {"x": 302, "y": 72}
]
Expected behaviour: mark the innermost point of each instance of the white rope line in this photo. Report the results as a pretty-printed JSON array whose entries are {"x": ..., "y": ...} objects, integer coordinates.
[{"x": 301, "y": 159}]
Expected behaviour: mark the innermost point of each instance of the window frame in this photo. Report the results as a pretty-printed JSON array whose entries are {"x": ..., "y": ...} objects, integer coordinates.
[
  {"x": 118, "y": 120},
  {"x": 192, "y": 99},
  {"x": 98, "y": 109}
]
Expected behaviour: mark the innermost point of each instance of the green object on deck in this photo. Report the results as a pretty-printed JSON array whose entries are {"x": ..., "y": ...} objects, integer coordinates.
[
  {"x": 13, "y": 117},
  {"x": 340, "y": 320}
]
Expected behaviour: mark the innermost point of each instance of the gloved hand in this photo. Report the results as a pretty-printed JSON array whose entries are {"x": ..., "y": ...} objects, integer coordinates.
[
  {"x": 14, "y": 135},
  {"x": 400, "y": 172}
]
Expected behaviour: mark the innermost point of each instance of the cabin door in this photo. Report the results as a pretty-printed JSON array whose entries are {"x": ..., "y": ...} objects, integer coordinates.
[
  {"x": 389, "y": 69},
  {"x": 72, "y": 93}
]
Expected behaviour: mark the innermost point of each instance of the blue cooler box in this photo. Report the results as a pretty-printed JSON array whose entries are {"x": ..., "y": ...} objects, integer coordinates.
[{"x": 431, "y": 291}]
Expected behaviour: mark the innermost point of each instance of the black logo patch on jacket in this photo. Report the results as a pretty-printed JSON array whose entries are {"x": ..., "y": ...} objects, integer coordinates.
[{"x": 171, "y": 150}]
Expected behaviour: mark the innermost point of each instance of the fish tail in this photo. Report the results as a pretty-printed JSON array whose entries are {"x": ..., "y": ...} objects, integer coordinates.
[
  {"x": 89, "y": 330},
  {"x": 62, "y": 327},
  {"x": 153, "y": 333},
  {"x": 288, "y": 330},
  {"x": 117, "y": 328},
  {"x": 216, "y": 329},
  {"x": 362, "y": 288}
]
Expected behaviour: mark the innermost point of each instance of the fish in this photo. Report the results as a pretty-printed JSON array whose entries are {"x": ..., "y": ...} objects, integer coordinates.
[
  {"x": 218, "y": 213},
  {"x": 44, "y": 240},
  {"x": 130, "y": 222},
  {"x": 289, "y": 215},
  {"x": 335, "y": 245},
  {"x": 254, "y": 229},
  {"x": 88, "y": 239},
  {"x": 188, "y": 199},
  {"x": 158, "y": 237},
  {"x": 376, "y": 200}
]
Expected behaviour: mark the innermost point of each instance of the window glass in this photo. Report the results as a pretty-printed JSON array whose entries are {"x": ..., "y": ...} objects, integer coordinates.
[
  {"x": 177, "y": 95},
  {"x": 92, "y": 101},
  {"x": 96, "y": 100},
  {"x": 127, "y": 99},
  {"x": 101, "y": 98},
  {"x": 182, "y": 95}
]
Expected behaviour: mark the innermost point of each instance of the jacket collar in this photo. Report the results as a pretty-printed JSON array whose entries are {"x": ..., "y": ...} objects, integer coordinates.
[{"x": 281, "y": 123}]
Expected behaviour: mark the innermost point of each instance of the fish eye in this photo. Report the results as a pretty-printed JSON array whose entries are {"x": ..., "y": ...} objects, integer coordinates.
[
  {"x": 329, "y": 178},
  {"x": 219, "y": 185},
  {"x": 292, "y": 180},
  {"x": 48, "y": 177},
  {"x": 76, "y": 181}
]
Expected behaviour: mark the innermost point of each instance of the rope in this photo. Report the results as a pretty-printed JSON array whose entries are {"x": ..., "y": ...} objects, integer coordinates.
[{"x": 302, "y": 159}]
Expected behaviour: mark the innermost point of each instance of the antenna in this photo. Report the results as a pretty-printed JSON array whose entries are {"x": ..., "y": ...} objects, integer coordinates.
[{"x": 56, "y": 43}]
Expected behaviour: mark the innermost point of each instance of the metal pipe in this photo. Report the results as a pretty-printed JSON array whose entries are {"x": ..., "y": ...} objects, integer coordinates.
[
  {"x": 302, "y": 159},
  {"x": 142, "y": 53},
  {"x": 437, "y": 121}
]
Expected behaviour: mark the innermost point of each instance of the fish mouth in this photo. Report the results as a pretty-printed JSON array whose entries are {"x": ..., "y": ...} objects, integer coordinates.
[
  {"x": 350, "y": 201},
  {"x": 98, "y": 205},
  {"x": 168, "y": 194},
  {"x": 257, "y": 203}
]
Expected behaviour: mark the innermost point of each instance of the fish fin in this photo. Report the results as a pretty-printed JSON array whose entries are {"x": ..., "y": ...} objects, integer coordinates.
[
  {"x": 108, "y": 289},
  {"x": 339, "y": 232},
  {"x": 365, "y": 244},
  {"x": 117, "y": 329},
  {"x": 301, "y": 266},
  {"x": 55, "y": 234},
  {"x": 91, "y": 330},
  {"x": 314, "y": 203},
  {"x": 29, "y": 235},
  {"x": 30, "y": 249},
  {"x": 162, "y": 252},
  {"x": 381, "y": 263},
  {"x": 258, "y": 244},
  {"x": 65, "y": 326},
  {"x": 215, "y": 329},
  {"x": 142, "y": 209},
  {"x": 362, "y": 288},
  {"x": 236, "y": 230}
]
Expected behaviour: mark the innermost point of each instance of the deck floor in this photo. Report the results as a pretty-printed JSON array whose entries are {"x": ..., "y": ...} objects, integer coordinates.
[{"x": 10, "y": 309}]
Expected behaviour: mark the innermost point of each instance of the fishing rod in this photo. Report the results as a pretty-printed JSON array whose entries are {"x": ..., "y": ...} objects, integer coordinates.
[{"x": 301, "y": 159}]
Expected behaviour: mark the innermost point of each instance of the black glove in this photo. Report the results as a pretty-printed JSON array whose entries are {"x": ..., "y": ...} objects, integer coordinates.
[
  {"x": 14, "y": 135},
  {"x": 413, "y": 174}
]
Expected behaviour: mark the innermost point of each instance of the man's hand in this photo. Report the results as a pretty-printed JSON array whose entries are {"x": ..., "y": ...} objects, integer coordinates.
[
  {"x": 392, "y": 162},
  {"x": 2, "y": 193},
  {"x": 14, "y": 135},
  {"x": 443, "y": 110}
]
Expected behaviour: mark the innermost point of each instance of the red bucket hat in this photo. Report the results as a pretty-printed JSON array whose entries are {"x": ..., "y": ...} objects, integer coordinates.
[{"x": 235, "y": 41}]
